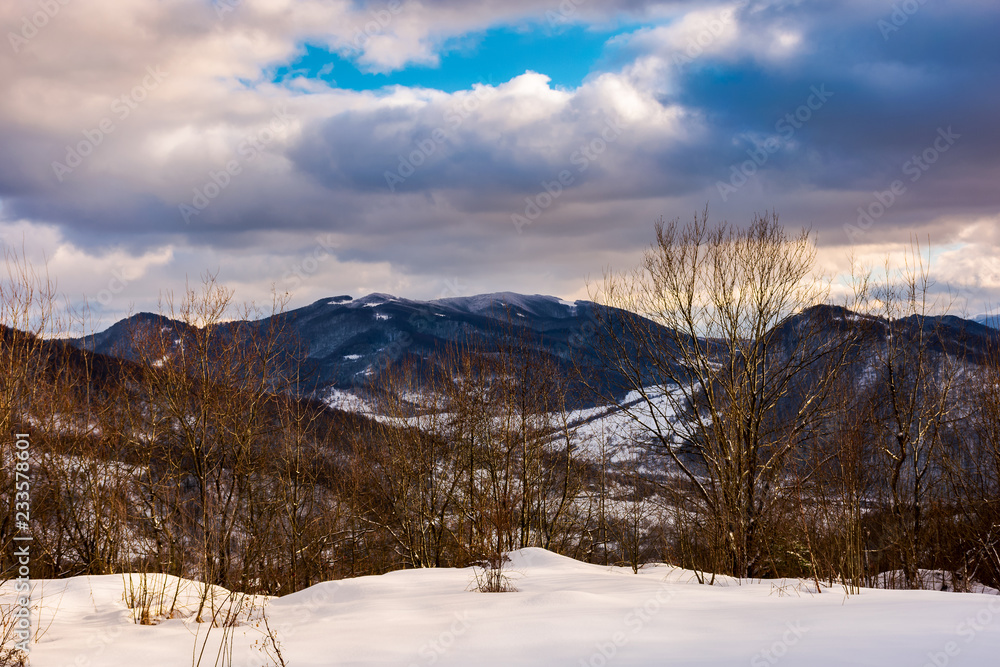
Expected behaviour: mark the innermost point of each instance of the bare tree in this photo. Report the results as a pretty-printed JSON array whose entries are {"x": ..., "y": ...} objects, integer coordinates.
[
  {"x": 205, "y": 413},
  {"x": 740, "y": 375},
  {"x": 408, "y": 471},
  {"x": 974, "y": 476},
  {"x": 472, "y": 455},
  {"x": 912, "y": 411},
  {"x": 27, "y": 317}
]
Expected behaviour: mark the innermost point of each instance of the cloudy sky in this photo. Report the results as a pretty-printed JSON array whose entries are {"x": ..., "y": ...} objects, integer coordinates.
[{"x": 443, "y": 148}]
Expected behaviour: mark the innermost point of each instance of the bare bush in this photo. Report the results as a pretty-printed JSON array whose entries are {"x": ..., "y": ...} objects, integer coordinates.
[{"x": 491, "y": 576}]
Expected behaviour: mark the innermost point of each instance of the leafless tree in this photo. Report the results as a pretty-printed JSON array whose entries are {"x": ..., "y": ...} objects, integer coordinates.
[
  {"x": 740, "y": 375},
  {"x": 912, "y": 408}
]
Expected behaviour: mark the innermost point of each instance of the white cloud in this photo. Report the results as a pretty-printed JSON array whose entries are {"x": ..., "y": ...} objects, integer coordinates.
[{"x": 324, "y": 170}]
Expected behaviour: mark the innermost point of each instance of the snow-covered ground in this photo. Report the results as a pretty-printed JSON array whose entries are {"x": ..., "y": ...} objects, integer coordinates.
[
  {"x": 606, "y": 426},
  {"x": 611, "y": 426},
  {"x": 564, "y": 613}
]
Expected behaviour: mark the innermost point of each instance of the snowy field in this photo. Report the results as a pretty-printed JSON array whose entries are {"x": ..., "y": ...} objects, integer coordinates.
[{"x": 564, "y": 613}]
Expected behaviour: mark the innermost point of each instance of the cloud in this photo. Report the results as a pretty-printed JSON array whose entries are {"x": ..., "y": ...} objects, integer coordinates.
[{"x": 174, "y": 107}]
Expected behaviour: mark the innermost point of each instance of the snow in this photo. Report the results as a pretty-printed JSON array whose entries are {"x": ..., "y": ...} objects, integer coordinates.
[
  {"x": 496, "y": 302},
  {"x": 347, "y": 401},
  {"x": 564, "y": 613},
  {"x": 611, "y": 425},
  {"x": 932, "y": 580},
  {"x": 571, "y": 305}
]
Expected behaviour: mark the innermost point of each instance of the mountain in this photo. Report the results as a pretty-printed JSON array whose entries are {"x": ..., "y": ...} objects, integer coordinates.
[
  {"x": 347, "y": 343},
  {"x": 987, "y": 320},
  {"x": 941, "y": 334}
]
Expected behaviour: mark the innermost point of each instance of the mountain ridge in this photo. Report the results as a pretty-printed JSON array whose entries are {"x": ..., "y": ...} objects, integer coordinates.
[{"x": 347, "y": 342}]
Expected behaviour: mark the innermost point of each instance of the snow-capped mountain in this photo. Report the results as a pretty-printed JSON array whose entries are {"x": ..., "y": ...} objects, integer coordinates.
[
  {"x": 988, "y": 320},
  {"x": 348, "y": 342}
]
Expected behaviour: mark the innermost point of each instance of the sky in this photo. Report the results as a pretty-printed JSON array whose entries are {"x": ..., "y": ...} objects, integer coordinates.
[{"x": 443, "y": 148}]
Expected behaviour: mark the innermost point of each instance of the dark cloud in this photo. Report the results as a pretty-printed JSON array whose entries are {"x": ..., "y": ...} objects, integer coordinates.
[{"x": 461, "y": 165}]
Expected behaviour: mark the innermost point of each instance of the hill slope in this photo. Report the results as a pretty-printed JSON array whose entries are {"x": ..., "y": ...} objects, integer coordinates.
[
  {"x": 564, "y": 613},
  {"x": 348, "y": 342}
]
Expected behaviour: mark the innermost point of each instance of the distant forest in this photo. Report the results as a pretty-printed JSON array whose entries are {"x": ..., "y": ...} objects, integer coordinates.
[{"x": 761, "y": 434}]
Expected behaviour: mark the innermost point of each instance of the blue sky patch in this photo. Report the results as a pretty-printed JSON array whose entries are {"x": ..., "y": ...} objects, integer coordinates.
[{"x": 492, "y": 57}]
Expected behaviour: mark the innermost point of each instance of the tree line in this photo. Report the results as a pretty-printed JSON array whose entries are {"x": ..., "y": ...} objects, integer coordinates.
[{"x": 760, "y": 432}]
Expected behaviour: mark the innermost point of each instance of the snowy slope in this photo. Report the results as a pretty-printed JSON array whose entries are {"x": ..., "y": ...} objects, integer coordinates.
[
  {"x": 348, "y": 342},
  {"x": 564, "y": 613},
  {"x": 612, "y": 427}
]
